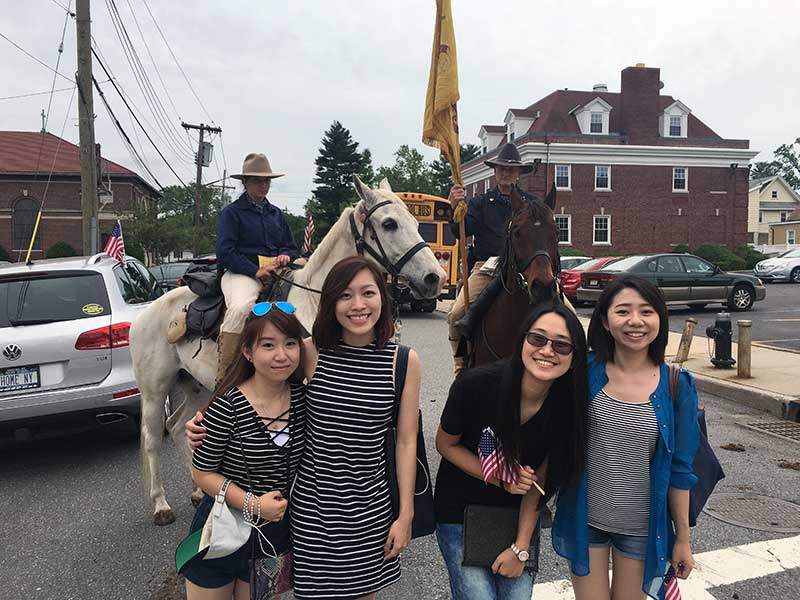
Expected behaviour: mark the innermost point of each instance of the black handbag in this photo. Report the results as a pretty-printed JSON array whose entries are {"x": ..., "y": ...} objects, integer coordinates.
[
  {"x": 424, "y": 522},
  {"x": 490, "y": 530},
  {"x": 706, "y": 464}
]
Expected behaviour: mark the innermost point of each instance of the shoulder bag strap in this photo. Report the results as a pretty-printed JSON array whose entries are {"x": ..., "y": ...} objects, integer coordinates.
[
  {"x": 674, "y": 373},
  {"x": 400, "y": 369}
]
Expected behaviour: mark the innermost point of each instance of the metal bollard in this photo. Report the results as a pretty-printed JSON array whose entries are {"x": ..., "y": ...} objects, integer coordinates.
[
  {"x": 686, "y": 340},
  {"x": 745, "y": 340},
  {"x": 721, "y": 333}
]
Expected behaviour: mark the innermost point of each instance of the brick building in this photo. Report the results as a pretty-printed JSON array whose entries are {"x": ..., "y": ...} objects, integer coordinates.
[
  {"x": 26, "y": 159},
  {"x": 635, "y": 171}
]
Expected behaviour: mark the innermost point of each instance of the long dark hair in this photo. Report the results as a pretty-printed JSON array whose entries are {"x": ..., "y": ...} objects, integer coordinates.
[
  {"x": 566, "y": 404},
  {"x": 601, "y": 340},
  {"x": 327, "y": 331},
  {"x": 242, "y": 369}
]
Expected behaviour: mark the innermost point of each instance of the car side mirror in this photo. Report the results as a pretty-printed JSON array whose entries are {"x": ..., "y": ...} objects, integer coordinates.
[{"x": 717, "y": 270}]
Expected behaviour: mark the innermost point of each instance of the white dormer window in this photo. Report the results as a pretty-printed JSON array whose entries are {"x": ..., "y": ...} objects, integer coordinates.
[
  {"x": 491, "y": 136},
  {"x": 593, "y": 118},
  {"x": 774, "y": 194},
  {"x": 674, "y": 121},
  {"x": 518, "y": 121}
]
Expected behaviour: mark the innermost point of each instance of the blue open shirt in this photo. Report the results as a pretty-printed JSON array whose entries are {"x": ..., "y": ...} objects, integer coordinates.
[
  {"x": 244, "y": 232},
  {"x": 670, "y": 466}
]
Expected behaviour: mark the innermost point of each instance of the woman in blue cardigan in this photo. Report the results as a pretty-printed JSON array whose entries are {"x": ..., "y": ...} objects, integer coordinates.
[{"x": 633, "y": 499}]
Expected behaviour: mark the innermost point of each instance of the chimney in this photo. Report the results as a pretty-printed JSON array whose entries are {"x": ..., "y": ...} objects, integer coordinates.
[
  {"x": 639, "y": 94},
  {"x": 600, "y": 87}
]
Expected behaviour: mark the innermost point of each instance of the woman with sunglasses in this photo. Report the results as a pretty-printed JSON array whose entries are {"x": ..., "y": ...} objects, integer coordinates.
[
  {"x": 254, "y": 439},
  {"x": 532, "y": 408},
  {"x": 633, "y": 499}
]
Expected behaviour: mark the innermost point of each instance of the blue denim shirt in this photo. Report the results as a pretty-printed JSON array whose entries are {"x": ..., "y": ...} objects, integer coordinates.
[
  {"x": 245, "y": 231},
  {"x": 671, "y": 466}
]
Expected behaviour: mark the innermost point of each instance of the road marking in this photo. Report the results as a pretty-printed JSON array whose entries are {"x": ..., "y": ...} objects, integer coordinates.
[
  {"x": 714, "y": 568},
  {"x": 773, "y": 320}
]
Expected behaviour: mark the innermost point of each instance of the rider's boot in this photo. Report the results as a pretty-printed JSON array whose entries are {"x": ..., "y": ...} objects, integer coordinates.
[
  {"x": 458, "y": 359},
  {"x": 227, "y": 349},
  {"x": 478, "y": 308}
]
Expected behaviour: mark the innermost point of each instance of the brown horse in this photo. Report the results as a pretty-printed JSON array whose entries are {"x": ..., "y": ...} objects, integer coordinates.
[{"x": 528, "y": 269}]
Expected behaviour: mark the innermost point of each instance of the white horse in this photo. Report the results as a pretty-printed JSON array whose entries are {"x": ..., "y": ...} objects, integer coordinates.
[{"x": 379, "y": 226}]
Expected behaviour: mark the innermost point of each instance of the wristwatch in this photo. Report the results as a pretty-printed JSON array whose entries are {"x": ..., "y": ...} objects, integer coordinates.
[{"x": 522, "y": 555}]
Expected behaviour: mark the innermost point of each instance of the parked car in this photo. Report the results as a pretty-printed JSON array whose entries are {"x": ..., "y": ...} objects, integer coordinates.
[
  {"x": 169, "y": 274},
  {"x": 570, "y": 279},
  {"x": 570, "y": 262},
  {"x": 64, "y": 355},
  {"x": 682, "y": 278},
  {"x": 784, "y": 267}
]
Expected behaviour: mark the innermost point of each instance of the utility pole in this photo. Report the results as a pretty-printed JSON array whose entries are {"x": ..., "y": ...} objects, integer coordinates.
[
  {"x": 202, "y": 128},
  {"x": 86, "y": 127}
]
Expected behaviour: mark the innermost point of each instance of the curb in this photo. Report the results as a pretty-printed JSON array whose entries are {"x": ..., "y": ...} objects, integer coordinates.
[{"x": 779, "y": 405}]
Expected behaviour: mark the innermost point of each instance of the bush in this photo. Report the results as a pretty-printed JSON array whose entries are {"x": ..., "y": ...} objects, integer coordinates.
[
  {"x": 135, "y": 250},
  {"x": 4, "y": 254},
  {"x": 60, "y": 250},
  {"x": 681, "y": 249},
  {"x": 720, "y": 256},
  {"x": 750, "y": 256},
  {"x": 572, "y": 252}
]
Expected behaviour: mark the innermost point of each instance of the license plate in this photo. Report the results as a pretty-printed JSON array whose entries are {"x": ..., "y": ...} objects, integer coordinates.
[
  {"x": 19, "y": 378},
  {"x": 593, "y": 282}
]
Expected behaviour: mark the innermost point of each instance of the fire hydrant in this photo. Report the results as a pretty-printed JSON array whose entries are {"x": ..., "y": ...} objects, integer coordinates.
[{"x": 722, "y": 334}]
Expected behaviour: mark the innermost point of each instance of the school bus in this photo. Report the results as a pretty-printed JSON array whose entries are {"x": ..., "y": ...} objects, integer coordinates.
[{"x": 433, "y": 215}]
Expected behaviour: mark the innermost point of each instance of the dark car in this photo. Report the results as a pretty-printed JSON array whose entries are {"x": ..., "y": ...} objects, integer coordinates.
[
  {"x": 682, "y": 278},
  {"x": 169, "y": 274}
]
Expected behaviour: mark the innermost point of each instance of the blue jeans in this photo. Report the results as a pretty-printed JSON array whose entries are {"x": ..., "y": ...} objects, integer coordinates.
[
  {"x": 477, "y": 583},
  {"x": 632, "y": 546}
]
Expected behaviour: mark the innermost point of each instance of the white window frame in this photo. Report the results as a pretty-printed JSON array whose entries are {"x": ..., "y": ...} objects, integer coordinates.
[
  {"x": 486, "y": 185},
  {"x": 784, "y": 216},
  {"x": 607, "y": 218},
  {"x": 680, "y": 126},
  {"x": 761, "y": 216},
  {"x": 569, "y": 178},
  {"x": 774, "y": 194},
  {"x": 605, "y": 189},
  {"x": 592, "y": 122},
  {"x": 568, "y": 242},
  {"x": 791, "y": 233},
  {"x": 685, "y": 187},
  {"x": 474, "y": 189}
]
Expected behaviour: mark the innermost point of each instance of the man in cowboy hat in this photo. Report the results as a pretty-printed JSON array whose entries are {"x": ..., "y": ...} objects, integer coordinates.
[
  {"x": 485, "y": 221},
  {"x": 252, "y": 235}
]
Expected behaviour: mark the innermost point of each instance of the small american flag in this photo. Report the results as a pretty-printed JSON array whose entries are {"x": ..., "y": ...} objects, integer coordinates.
[
  {"x": 309, "y": 231},
  {"x": 493, "y": 461},
  {"x": 671, "y": 589},
  {"x": 115, "y": 246}
]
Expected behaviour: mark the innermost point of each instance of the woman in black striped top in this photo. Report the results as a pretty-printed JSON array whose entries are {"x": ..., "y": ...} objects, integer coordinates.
[{"x": 256, "y": 416}]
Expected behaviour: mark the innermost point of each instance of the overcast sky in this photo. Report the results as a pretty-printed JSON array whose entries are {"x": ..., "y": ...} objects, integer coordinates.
[{"x": 274, "y": 75}]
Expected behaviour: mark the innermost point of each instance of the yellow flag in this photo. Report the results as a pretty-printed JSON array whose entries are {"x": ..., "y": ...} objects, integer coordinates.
[{"x": 440, "y": 128}]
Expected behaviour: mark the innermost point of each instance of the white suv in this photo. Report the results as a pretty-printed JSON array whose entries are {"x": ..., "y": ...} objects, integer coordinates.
[{"x": 64, "y": 355}]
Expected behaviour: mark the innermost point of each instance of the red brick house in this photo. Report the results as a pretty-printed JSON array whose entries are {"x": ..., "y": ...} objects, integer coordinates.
[
  {"x": 26, "y": 159},
  {"x": 635, "y": 171}
]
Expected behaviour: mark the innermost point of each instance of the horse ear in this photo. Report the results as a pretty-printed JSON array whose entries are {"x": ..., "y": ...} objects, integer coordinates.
[
  {"x": 550, "y": 199},
  {"x": 385, "y": 185},
  {"x": 363, "y": 191}
]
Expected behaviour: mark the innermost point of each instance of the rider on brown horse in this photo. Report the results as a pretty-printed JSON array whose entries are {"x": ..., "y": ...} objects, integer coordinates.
[
  {"x": 252, "y": 235},
  {"x": 486, "y": 221}
]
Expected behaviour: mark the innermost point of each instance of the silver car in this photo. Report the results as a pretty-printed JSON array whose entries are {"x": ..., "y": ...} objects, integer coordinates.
[
  {"x": 64, "y": 355},
  {"x": 784, "y": 267}
]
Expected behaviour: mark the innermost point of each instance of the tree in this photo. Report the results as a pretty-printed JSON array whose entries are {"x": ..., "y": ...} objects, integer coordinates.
[
  {"x": 442, "y": 178},
  {"x": 410, "y": 172},
  {"x": 338, "y": 160},
  {"x": 786, "y": 164},
  {"x": 60, "y": 250},
  {"x": 297, "y": 225}
]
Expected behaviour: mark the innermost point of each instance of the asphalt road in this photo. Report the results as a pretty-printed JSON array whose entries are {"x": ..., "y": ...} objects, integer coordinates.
[
  {"x": 75, "y": 526},
  {"x": 776, "y": 319}
]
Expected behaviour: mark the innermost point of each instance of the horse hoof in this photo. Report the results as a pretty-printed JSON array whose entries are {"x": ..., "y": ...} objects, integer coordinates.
[
  {"x": 196, "y": 500},
  {"x": 164, "y": 517}
]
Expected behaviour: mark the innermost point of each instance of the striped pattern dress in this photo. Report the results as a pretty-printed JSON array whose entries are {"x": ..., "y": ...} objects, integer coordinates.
[{"x": 341, "y": 510}]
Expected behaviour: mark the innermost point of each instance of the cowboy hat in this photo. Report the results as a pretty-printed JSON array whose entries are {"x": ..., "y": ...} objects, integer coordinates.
[
  {"x": 509, "y": 157},
  {"x": 256, "y": 165}
]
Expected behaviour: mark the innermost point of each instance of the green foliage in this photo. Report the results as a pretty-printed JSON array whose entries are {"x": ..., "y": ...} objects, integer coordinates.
[
  {"x": 410, "y": 172},
  {"x": 338, "y": 160},
  {"x": 786, "y": 164},
  {"x": 60, "y": 250},
  {"x": 749, "y": 255},
  {"x": 440, "y": 169},
  {"x": 680, "y": 248},
  {"x": 297, "y": 225},
  {"x": 572, "y": 252},
  {"x": 4, "y": 254},
  {"x": 720, "y": 256}
]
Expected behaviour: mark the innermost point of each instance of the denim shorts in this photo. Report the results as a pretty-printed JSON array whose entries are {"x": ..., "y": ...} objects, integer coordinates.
[{"x": 632, "y": 546}]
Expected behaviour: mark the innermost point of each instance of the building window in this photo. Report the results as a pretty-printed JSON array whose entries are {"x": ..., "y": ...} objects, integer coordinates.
[
  {"x": 485, "y": 185},
  {"x": 783, "y": 216},
  {"x": 790, "y": 237},
  {"x": 675, "y": 125},
  {"x": 596, "y": 123},
  {"x": 511, "y": 136},
  {"x": 602, "y": 178},
  {"x": 474, "y": 189},
  {"x": 564, "y": 225},
  {"x": 563, "y": 177},
  {"x": 601, "y": 231},
  {"x": 483, "y": 150},
  {"x": 23, "y": 219},
  {"x": 679, "y": 179},
  {"x": 761, "y": 216},
  {"x": 774, "y": 194}
]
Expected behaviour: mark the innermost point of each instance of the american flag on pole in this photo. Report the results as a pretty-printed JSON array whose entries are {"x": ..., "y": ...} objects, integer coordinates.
[
  {"x": 115, "y": 246},
  {"x": 309, "y": 231},
  {"x": 671, "y": 589},
  {"x": 493, "y": 461}
]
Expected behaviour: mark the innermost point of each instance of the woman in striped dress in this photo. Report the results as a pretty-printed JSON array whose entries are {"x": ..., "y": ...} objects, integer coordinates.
[
  {"x": 347, "y": 540},
  {"x": 633, "y": 500}
]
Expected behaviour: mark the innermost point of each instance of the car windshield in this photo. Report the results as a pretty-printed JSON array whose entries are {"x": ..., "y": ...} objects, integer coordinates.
[
  {"x": 52, "y": 297},
  {"x": 623, "y": 264},
  {"x": 793, "y": 253},
  {"x": 589, "y": 264}
]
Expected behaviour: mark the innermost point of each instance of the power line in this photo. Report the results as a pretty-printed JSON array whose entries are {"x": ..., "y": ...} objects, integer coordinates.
[
  {"x": 44, "y": 64},
  {"x": 62, "y": 7},
  {"x": 58, "y": 62},
  {"x": 32, "y": 94}
]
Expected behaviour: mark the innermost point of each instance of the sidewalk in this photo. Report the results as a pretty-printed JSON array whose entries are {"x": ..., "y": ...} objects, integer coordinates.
[{"x": 774, "y": 386}]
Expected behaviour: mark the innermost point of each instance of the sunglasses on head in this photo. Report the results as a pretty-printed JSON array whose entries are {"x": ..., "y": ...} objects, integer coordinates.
[
  {"x": 540, "y": 341},
  {"x": 262, "y": 308}
]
